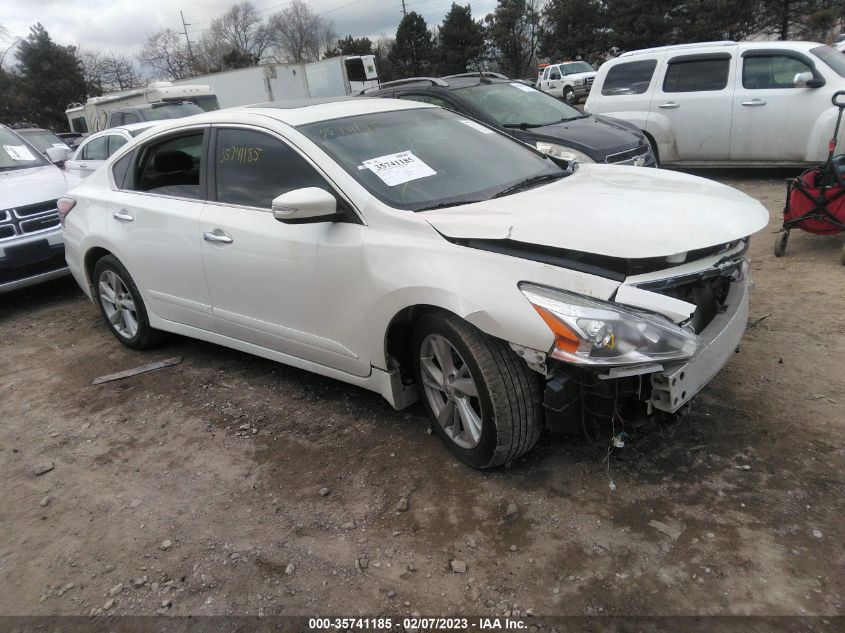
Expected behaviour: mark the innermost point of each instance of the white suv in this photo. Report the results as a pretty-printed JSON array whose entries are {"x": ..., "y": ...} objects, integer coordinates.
[
  {"x": 409, "y": 250},
  {"x": 569, "y": 81},
  {"x": 753, "y": 103}
]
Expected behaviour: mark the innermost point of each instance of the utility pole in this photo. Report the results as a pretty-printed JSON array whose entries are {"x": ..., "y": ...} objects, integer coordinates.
[
  {"x": 404, "y": 10},
  {"x": 188, "y": 39}
]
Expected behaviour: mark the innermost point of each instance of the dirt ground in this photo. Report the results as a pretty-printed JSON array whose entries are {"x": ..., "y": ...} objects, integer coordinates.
[{"x": 195, "y": 489}]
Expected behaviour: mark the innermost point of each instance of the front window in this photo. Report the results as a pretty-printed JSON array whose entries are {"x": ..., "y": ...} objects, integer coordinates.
[
  {"x": 207, "y": 102},
  {"x": 16, "y": 153},
  {"x": 171, "y": 111},
  {"x": 518, "y": 105},
  {"x": 831, "y": 57},
  {"x": 427, "y": 158},
  {"x": 572, "y": 68},
  {"x": 771, "y": 71},
  {"x": 96, "y": 149}
]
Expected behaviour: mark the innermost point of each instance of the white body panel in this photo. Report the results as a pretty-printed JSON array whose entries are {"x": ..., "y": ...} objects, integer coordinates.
[
  {"x": 735, "y": 125},
  {"x": 322, "y": 296}
]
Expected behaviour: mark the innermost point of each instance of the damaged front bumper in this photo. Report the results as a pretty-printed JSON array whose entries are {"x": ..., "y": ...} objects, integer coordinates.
[{"x": 674, "y": 387}]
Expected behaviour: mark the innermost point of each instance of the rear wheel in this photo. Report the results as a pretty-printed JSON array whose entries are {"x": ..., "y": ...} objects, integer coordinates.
[
  {"x": 780, "y": 243},
  {"x": 482, "y": 399},
  {"x": 121, "y": 305}
]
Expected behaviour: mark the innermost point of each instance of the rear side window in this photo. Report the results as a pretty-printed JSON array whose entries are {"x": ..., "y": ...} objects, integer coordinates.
[
  {"x": 697, "y": 75},
  {"x": 172, "y": 167},
  {"x": 771, "y": 71},
  {"x": 116, "y": 119},
  {"x": 96, "y": 149},
  {"x": 629, "y": 78},
  {"x": 116, "y": 141},
  {"x": 120, "y": 169},
  {"x": 252, "y": 168},
  {"x": 131, "y": 117}
]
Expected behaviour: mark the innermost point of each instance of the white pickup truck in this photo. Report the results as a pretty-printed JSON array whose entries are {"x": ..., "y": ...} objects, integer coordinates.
[
  {"x": 727, "y": 103},
  {"x": 570, "y": 81}
]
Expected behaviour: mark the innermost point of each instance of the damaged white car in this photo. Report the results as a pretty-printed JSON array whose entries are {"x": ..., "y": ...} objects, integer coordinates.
[{"x": 408, "y": 250}]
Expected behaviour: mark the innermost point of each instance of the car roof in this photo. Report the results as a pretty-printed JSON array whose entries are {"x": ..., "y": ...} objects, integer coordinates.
[
  {"x": 788, "y": 44},
  {"x": 445, "y": 83},
  {"x": 297, "y": 112},
  {"x": 32, "y": 129}
]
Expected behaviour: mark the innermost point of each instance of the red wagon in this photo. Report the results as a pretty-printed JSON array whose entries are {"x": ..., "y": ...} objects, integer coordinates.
[{"x": 815, "y": 201}]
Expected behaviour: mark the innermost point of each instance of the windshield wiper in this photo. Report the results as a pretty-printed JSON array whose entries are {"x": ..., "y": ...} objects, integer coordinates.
[
  {"x": 524, "y": 126},
  {"x": 443, "y": 205},
  {"x": 527, "y": 183}
]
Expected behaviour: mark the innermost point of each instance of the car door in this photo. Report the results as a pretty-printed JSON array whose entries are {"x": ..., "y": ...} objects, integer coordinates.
[
  {"x": 773, "y": 119},
  {"x": 153, "y": 224},
  {"x": 292, "y": 288},
  {"x": 90, "y": 155},
  {"x": 554, "y": 83},
  {"x": 693, "y": 102}
]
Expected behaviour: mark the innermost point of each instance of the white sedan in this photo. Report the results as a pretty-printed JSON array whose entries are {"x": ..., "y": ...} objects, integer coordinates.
[
  {"x": 408, "y": 250},
  {"x": 96, "y": 149}
]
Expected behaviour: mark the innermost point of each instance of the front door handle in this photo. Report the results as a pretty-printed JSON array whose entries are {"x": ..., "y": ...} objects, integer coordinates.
[
  {"x": 83, "y": 165},
  {"x": 217, "y": 238},
  {"x": 669, "y": 105},
  {"x": 754, "y": 102},
  {"x": 122, "y": 215}
]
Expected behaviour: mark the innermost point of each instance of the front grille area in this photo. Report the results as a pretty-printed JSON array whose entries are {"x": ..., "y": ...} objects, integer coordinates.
[
  {"x": 28, "y": 219},
  {"x": 590, "y": 80},
  {"x": 628, "y": 155}
]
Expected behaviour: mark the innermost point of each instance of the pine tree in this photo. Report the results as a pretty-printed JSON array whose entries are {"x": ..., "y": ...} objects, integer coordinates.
[
  {"x": 460, "y": 40},
  {"x": 412, "y": 53}
]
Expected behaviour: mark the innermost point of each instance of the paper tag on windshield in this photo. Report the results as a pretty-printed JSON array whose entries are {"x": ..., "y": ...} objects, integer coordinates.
[
  {"x": 395, "y": 169},
  {"x": 18, "y": 152},
  {"x": 522, "y": 87},
  {"x": 476, "y": 126}
]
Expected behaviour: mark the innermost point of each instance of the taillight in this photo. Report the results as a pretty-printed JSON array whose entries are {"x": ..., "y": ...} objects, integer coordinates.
[{"x": 64, "y": 205}]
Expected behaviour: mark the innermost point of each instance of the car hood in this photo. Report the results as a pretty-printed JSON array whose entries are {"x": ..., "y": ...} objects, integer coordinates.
[
  {"x": 19, "y": 187},
  {"x": 596, "y": 136},
  {"x": 613, "y": 211},
  {"x": 587, "y": 74}
]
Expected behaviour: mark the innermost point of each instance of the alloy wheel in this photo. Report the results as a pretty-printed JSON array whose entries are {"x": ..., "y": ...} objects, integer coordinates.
[
  {"x": 118, "y": 304},
  {"x": 451, "y": 391}
]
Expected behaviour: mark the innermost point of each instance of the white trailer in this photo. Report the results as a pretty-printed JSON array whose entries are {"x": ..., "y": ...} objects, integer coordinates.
[
  {"x": 333, "y": 77},
  {"x": 92, "y": 116}
]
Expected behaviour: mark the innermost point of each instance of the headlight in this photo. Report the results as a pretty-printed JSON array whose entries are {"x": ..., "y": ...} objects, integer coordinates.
[
  {"x": 595, "y": 333},
  {"x": 563, "y": 152}
]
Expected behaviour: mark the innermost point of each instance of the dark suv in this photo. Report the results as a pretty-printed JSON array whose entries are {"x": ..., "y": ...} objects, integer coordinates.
[{"x": 554, "y": 127}]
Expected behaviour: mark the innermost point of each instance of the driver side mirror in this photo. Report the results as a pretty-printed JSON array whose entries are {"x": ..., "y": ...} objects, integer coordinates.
[
  {"x": 807, "y": 80},
  {"x": 58, "y": 155},
  {"x": 310, "y": 204}
]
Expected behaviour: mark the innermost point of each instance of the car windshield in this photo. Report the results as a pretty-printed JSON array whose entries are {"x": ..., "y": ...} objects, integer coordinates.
[
  {"x": 16, "y": 153},
  {"x": 171, "y": 111},
  {"x": 518, "y": 105},
  {"x": 831, "y": 57},
  {"x": 427, "y": 158},
  {"x": 43, "y": 139},
  {"x": 576, "y": 67}
]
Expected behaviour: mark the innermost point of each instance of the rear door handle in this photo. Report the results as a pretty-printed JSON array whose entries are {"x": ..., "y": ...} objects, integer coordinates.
[
  {"x": 669, "y": 105},
  {"x": 122, "y": 215},
  {"x": 217, "y": 237},
  {"x": 754, "y": 102}
]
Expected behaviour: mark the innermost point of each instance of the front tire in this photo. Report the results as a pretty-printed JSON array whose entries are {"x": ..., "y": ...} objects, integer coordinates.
[
  {"x": 569, "y": 96},
  {"x": 482, "y": 399},
  {"x": 121, "y": 305}
]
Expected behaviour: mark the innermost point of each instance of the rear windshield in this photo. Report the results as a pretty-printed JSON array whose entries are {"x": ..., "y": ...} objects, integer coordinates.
[
  {"x": 43, "y": 139},
  {"x": 16, "y": 153},
  {"x": 170, "y": 111},
  {"x": 831, "y": 57},
  {"x": 429, "y": 157},
  {"x": 518, "y": 105}
]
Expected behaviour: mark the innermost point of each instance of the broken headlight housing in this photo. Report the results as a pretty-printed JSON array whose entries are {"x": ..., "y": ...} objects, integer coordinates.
[{"x": 589, "y": 332}]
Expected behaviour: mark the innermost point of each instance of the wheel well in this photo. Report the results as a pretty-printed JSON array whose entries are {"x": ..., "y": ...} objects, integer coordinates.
[
  {"x": 91, "y": 258},
  {"x": 653, "y": 146},
  {"x": 398, "y": 340}
]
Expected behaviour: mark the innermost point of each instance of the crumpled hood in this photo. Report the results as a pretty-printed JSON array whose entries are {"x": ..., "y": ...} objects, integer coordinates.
[
  {"x": 19, "y": 187},
  {"x": 614, "y": 211}
]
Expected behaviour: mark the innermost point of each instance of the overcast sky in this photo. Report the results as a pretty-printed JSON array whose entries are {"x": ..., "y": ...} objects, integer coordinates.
[{"x": 122, "y": 25}]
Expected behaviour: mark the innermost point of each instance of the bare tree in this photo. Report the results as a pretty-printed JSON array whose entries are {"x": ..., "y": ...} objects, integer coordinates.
[
  {"x": 240, "y": 28},
  {"x": 166, "y": 54},
  {"x": 300, "y": 35},
  {"x": 108, "y": 71}
]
